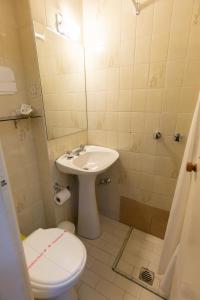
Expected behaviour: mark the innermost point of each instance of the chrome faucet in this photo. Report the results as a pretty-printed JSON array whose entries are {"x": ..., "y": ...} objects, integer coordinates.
[
  {"x": 78, "y": 150},
  {"x": 75, "y": 152}
]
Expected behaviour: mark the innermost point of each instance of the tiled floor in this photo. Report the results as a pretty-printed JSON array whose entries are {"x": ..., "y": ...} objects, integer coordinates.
[
  {"x": 142, "y": 250},
  {"x": 99, "y": 282}
]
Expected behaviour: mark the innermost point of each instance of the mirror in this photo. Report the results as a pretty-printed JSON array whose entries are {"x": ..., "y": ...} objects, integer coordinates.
[{"x": 60, "y": 54}]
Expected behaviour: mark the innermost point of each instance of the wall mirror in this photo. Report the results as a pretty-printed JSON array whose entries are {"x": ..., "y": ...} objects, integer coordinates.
[{"x": 60, "y": 54}]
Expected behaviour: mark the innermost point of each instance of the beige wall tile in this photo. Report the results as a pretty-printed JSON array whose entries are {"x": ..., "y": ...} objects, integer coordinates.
[
  {"x": 140, "y": 76},
  {"x": 162, "y": 16},
  {"x": 154, "y": 100},
  {"x": 152, "y": 122},
  {"x": 192, "y": 73},
  {"x": 171, "y": 100},
  {"x": 139, "y": 100},
  {"x": 174, "y": 73},
  {"x": 125, "y": 100},
  {"x": 183, "y": 123},
  {"x": 164, "y": 185},
  {"x": 142, "y": 49},
  {"x": 155, "y": 87},
  {"x": 127, "y": 49},
  {"x": 157, "y": 75},
  {"x": 178, "y": 45},
  {"x": 126, "y": 78},
  {"x": 128, "y": 21},
  {"x": 188, "y": 99},
  {"x": 124, "y": 141},
  {"x": 182, "y": 13},
  {"x": 137, "y": 122},
  {"x": 168, "y": 123},
  {"x": 159, "y": 47},
  {"x": 145, "y": 21},
  {"x": 124, "y": 121}
]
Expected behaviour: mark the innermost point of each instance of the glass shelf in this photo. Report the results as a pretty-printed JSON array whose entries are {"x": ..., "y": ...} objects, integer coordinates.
[{"x": 15, "y": 118}]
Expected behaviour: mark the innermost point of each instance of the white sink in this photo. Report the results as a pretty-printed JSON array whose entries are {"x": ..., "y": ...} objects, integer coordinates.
[
  {"x": 94, "y": 160},
  {"x": 87, "y": 165}
]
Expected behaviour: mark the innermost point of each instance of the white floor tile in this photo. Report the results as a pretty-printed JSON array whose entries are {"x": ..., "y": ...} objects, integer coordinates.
[
  {"x": 104, "y": 271},
  {"x": 128, "y": 286},
  {"x": 129, "y": 297},
  {"x": 110, "y": 290},
  {"x": 100, "y": 282},
  {"x": 90, "y": 278},
  {"x": 87, "y": 293},
  {"x": 90, "y": 261},
  {"x": 125, "y": 267},
  {"x": 109, "y": 238},
  {"x": 146, "y": 295},
  {"x": 100, "y": 255}
]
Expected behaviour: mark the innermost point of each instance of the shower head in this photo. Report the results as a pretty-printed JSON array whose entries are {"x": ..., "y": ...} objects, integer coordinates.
[{"x": 137, "y": 7}]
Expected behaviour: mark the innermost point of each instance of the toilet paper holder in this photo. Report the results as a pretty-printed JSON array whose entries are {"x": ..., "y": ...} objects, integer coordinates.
[{"x": 58, "y": 187}]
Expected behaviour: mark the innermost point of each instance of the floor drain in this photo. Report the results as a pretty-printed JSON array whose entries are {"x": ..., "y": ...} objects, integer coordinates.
[{"x": 146, "y": 275}]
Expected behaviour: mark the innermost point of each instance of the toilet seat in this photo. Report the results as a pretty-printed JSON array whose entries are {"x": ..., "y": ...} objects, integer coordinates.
[{"x": 55, "y": 259}]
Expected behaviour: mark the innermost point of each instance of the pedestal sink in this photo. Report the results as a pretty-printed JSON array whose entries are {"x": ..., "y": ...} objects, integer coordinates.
[{"x": 87, "y": 165}]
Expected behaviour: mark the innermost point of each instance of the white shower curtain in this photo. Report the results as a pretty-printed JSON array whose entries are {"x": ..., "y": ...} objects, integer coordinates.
[{"x": 178, "y": 211}]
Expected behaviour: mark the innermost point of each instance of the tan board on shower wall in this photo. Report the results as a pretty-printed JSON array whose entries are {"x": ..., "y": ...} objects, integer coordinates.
[{"x": 143, "y": 217}]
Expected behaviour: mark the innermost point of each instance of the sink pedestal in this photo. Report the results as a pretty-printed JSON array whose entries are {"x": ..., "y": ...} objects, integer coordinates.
[{"x": 88, "y": 216}]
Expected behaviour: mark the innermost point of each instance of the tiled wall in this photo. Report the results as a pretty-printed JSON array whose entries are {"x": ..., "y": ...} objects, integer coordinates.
[
  {"x": 143, "y": 74},
  {"x": 18, "y": 143},
  {"x": 61, "y": 63}
]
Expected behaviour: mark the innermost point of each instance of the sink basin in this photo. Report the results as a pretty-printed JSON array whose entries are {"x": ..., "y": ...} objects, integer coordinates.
[
  {"x": 91, "y": 162},
  {"x": 94, "y": 160}
]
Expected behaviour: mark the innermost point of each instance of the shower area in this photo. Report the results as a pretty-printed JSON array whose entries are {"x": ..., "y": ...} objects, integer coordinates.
[{"x": 142, "y": 76}]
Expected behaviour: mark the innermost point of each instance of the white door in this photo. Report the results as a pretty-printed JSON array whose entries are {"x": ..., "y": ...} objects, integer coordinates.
[
  {"x": 186, "y": 281},
  {"x": 14, "y": 281}
]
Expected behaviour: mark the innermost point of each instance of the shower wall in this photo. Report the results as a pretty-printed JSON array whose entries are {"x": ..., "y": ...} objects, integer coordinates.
[{"x": 143, "y": 74}]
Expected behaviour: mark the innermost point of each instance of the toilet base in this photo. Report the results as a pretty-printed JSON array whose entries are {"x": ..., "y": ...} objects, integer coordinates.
[{"x": 70, "y": 294}]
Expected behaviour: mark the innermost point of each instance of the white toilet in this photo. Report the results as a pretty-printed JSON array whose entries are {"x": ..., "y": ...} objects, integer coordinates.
[{"x": 55, "y": 260}]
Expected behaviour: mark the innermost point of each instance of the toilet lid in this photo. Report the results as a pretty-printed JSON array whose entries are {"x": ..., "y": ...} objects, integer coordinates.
[{"x": 53, "y": 256}]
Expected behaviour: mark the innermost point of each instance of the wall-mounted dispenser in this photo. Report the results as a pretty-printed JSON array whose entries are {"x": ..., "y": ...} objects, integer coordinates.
[{"x": 62, "y": 194}]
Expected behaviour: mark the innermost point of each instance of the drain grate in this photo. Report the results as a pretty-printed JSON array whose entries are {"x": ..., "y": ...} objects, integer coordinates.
[{"x": 146, "y": 275}]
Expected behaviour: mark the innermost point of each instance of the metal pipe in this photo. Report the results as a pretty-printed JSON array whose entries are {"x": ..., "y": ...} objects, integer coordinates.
[{"x": 137, "y": 7}]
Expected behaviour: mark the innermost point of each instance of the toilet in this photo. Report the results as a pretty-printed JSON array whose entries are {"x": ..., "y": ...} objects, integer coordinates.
[{"x": 55, "y": 260}]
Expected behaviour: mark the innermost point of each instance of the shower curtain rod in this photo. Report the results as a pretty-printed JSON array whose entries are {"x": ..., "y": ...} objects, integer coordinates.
[{"x": 137, "y": 7}]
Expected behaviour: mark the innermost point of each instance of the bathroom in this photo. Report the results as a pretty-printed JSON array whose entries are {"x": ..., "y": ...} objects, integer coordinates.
[{"x": 119, "y": 80}]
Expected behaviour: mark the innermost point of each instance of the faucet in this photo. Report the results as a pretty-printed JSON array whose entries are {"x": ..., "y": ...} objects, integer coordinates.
[
  {"x": 78, "y": 150},
  {"x": 75, "y": 152},
  {"x": 178, "y": 137}
]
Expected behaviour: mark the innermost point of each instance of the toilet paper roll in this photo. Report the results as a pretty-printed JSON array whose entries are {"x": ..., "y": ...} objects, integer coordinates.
[{"x": 61, "y": 197}]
